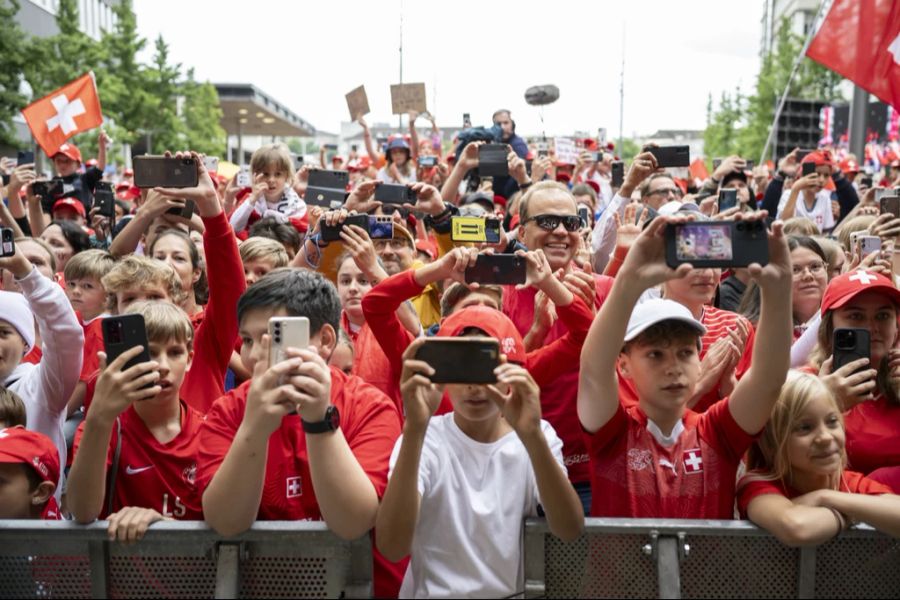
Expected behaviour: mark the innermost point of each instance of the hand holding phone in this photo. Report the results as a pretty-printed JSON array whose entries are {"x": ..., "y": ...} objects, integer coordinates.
[
  {"x": 284, "y": 333},
  {"x": 165, "y": 171},
  {"x": 670, "y": 156},
  {"x": 123, "y": 334},
  {"x": 7, "y": 243},
  {"x": 497, "y": 269},
  {"x": 461, "y": 359},
  {"x": 492, "y": 160},
  {"x": 717, "y": 244}
]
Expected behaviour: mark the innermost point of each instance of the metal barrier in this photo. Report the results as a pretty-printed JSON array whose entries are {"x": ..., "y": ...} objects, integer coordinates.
[
  {"x": 663, "y": 558},
  {"x": 53, "y": 559}
]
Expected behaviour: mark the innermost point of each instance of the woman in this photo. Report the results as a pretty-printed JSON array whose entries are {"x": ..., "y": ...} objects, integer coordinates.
[
  {"x": 176, "y": 248},
  {"x": 67, "y": 239},
  {"x": 797, "y": 486},
  {"x": 399, "y": 168}
]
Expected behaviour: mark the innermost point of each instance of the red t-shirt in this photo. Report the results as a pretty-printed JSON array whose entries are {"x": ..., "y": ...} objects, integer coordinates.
[
  {"x": 873, "y": 435},
  {"x": 633, "y": 475},
  {"x": 851, "y": 481},
  {"x": 717, "y": 322},
  {"x": 370, "y": 422},
  {"x": 152, "y": 474},
  {"x": 93, "y": 343},
  {"x": 558, "y": 397}
]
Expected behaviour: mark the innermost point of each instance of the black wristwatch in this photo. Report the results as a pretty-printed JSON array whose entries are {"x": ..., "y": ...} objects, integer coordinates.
[{"x": 331, "y": 422}]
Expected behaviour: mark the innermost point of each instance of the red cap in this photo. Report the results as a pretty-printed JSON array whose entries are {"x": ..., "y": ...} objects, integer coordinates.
[
  {"x": 501, "y": 200},
  {"x": 848, "y": 165},
  {"x": 127, "y": 192},
  {"x": 492, "y": 322},
  {"x": 72, "y": 203},
  {"x": 822, "y": 158},
  {"x": 450, "y": 158},
  {"x": 337, "y": 158},
  {"x": 589, "y": 144},
  {"x": 563, "y": 177},
  {"x": 70, "y": 150},
  {"x": 91, "y": 163},
  {"x": 19, "y": 445},
  {"x": 594, "y": 185},
  {"x": 427, "y": 247},
  {"x": 845, "y": 287},
  {"x": 128, "y": 173}
]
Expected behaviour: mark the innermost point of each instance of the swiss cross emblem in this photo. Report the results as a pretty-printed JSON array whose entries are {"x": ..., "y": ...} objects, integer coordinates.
[
  {"x": 863, "y": 277},
  {"x": 693, "y": 461},
  {"x": 294, "y": 489},
  {"x": 508, "y": 345},
  {"x": 65, "y": 114}
]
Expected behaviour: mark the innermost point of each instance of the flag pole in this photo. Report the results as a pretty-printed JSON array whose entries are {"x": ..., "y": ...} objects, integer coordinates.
[{"x": 813, "y": 30}]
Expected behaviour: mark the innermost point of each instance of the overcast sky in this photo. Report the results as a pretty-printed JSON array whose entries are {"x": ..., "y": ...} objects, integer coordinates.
[{"x": 474, "y": 56}]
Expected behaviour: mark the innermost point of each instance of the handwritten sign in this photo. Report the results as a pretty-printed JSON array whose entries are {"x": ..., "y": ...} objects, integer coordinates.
[
  {"x": 566, "y": 151},
  {"x": 358, "y": 103},
  {"x": 406, "y": 97}
]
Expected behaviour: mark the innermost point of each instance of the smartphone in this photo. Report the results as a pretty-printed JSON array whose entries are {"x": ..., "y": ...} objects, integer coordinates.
[
  {"x": 716, "y": 163},
  {"x": 211, "y": 163},
  {"x": 467, "y": 121},
  {"x": 492, "y": 160},
  {"x": 474, "y": 229},
  {"x": 297, "y": 161},
  {"x": 105, "y": 199},
  {"x": 284, "y": 333},
  {"x": 671, "y": 156},
  {"x": 808, "y": 168},
  {"x": 542, "y": 153},
  {"x": 528, "y": 163},
  {"x": 392, "y": 193},
  {"x": 597, "y": 156},
  {"x": 327, "y": 188},
  {"x": 867, "y": 244},
  {"x": 585, "y": 213},
  {"x": 243, "y": 178},
  {"x": 867, "y": 182},
  {"x": 461, "y": 359},
  {"x": 122, "y": 333},
  {"x": 7, "y": 242},
  {"x": 427, "y": 161},
  {"x": 381, "y": 227},
  {"x": 332, "y": 233},
  {"x": 25, "y": 157},
  {"x": 717, "y": 244},
  {"x": 497, "y": 269},
  {"x": 6, "y": 178},
  {"x": 41, "y": 188},
  {"x": 748, "y": 165},
  {"x": 849, "y": 345},
  {"x": 890, "y": 204},
  {"x": 492, "y": 230},
  {"x": 162, "y": 171},
  {"x": 618, "y": 174},
  {"x": 186, "y": 212},
  {"x": 727, "y": 199},
  {"x": 801, "y": 154}
]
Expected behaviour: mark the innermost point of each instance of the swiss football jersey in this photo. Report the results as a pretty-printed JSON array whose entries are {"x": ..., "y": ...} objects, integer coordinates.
[
  {"x": 851, "y": 481},
  {"x": 633, "y": 475},
  {"x": 873, "y": 435}
]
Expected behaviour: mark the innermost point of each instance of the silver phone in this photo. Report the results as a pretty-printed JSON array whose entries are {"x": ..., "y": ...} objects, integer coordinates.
[{"x": 284, "y": 333}]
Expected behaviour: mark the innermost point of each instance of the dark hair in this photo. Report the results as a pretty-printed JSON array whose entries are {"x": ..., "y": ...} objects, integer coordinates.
[
  {"x": 34, "y": 479},
  {"x": 268, "y": 227},
  {"x": 12, "y": 409},
  {"x": 802, "y": 241},
  {"x": 302, "y": 293},
  {"x": 74, "y": 234},
  {"x": 201, "y": 288},
  {"x": 667, "y": 331},
  {"x": 125, "y": 206}
]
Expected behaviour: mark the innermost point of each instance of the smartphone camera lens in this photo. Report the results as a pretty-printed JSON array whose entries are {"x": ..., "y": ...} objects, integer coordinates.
[
  {"x": 115, "y": 333},
  {"x": 846, "y": 340}
]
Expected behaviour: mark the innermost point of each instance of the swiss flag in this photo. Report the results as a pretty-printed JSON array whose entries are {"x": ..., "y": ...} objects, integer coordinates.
[
  {"x": 860, "y": 39},
  {"x": 73, "y": 108}
]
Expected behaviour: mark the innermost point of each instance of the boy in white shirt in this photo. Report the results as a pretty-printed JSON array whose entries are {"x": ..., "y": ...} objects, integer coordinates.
[{"x": 461, "y": 483}]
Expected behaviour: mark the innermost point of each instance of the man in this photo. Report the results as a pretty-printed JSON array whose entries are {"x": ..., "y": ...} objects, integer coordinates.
[{"x": 503, "y": 119}]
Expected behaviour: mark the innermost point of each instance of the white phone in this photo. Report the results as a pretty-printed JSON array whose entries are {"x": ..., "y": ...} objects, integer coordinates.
[
  {"x": 286, "y": 332},
  {"x": 867, "y": 244},
  {"x": 243, "y": 178},
  {"x": 211, "y": 163}
]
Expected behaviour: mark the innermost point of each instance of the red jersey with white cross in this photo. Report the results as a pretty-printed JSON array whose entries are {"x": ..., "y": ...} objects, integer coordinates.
[
  {"x": 633, "y": 475},
  {"x": 152, "y": 474}
]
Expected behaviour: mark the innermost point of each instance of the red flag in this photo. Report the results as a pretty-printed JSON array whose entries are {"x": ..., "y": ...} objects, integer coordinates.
[
  {"x": 698, "y": 170},
  {"x": 73, "y": 108},
  {"x": 860, "y": 39}
]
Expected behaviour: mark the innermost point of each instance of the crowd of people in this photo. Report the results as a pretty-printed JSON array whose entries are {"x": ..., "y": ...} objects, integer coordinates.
[{"x": 626, "y": 386}]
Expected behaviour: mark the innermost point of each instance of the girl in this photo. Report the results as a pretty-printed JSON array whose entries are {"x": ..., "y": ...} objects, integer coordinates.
[
  {"x": 797, "y": 487},
  {"x": 399, "y": 168},
  {"x": 176, "y": 248},
  {"x": 271, "y": 196},
  {"x": 67, "y": 239}
]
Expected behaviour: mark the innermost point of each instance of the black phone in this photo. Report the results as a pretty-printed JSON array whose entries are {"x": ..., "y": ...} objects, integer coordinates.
[
  {"x": 427, "y": 161},
  {"x": 849, "y": 345},
  {"x": 122, "y": 333},
  {"x": 727, "y": 199},
  {"x": 497, "y": 269},
  {"x": 461, "y": 359},
  {"x": 332, "y": 233},
  {"x": 671, "y": 156},
  {"x": 6, "y": 178},
  {"x": 7, "y": 242},
  {"x": 25, "y": 157},
  {"x": 865, "y": 182},
  {"x": 163, "y": 171},
  {"x": 717, "y": 244},
  {"x": 528, "y": 163},
  {"x": 327, "y": 188},
  {"x": 748, "y": 165},
  {"x": 801, "y": 154},
  {"x": 186, "y": 213},
  {"x": 808, "y": 168},
  {"x": 618, "y": 174},
  {"x": 585, "y": 213},
  {"x": 890, "y": 204},
  {"x": 105, "y": 199},
  {"x": 393, "y": 193},
  {"x": 717, "y": 162},
  {"x": 492, "y": 160}
]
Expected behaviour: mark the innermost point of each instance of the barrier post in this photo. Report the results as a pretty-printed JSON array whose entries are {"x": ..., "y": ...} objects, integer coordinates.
[
  {"x": 98, "y": 554},
  {"x": 228, "y": 570},
  {"x": 806, "y": 572},
  {"x": 535, "y": 561}
]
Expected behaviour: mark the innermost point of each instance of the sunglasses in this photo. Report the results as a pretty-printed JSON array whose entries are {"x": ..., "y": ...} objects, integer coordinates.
[{"x": 572, "y": 223}]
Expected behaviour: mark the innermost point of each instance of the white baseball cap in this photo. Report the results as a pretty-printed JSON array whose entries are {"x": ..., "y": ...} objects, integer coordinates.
[{"x": 650, "y": 312}]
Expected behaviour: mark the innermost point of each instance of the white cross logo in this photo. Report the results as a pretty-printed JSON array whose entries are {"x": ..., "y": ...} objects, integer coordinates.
[
  {"x": 693, "y": 462},
  {"x": 863, "y": 277},
  {"x": 293, "y": 487},
  {"x": 894, "y": 49},
  {"x": 65, "y": 114}
]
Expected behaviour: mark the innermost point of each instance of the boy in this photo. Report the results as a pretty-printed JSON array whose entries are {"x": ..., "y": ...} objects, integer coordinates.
[
  {"x": 259, "y": 256},
  {"x": 83, "y": 275},
  {"x": 29, "y": 470},
  {"x": 139, "y": 427},
  {"x": 659, "y": 459},
  {"x": 137, "y": 278},
  {"x": 461, "y": 483},
  {"x": 12, "y": 409}
]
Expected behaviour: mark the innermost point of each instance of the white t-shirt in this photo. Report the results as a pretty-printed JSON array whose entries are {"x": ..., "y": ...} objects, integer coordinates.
[
  {"x": 820, "y": 214},
  {"x": 468, "y": 540},
  {"x": 384, "y": 176}
]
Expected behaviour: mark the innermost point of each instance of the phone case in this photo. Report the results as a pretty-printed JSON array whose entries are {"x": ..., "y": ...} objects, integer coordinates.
[
  {"x": 123, "y": 333},
  {"x": 727, "y": 200},
  {"x": 618, "y": 173},
  {"x": 381, "y": 227},
  {"x": 327, "y": 189},
  {"x": 717, "y": 244},
  {"x": 672, "y": 156},
  {"x": 333, "y": 233},
  {"x": 468, "y": 229},
  {"x": 492, "y": 160},
  {"x": 497, "y": 269},
  {"x": 391, "y": 193},
  {"x": 286, "y": 332},
  {"x": 161, "y": 171},
  {"x": 461, "y": 359},
  {"x": 7, "y": 243},
  {"x": 849, "y": 345}
]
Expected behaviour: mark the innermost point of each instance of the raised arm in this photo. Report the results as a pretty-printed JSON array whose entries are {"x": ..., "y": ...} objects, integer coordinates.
[
  {"x": 367, "y": 140},
  {"x": 413, "y": 137},
  {"x": 468, "y": 159}
]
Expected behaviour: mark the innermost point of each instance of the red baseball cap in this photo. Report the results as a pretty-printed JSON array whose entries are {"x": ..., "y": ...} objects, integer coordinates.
[
  {"x": 128, "y": 173},
  {"x": 91, "y": 163},
  {"x": 492, "y": 322},
  {"x": 70, "y": 150},
  {"x": 819, "y": 157},
  {"x": 125, "y": 191},
  {"x": 848, "y": 165},
  {"x": 72, "y": 203},
  {"x": 844, "y": 288},
  {"x": 337, "y": 158},
  {"x": 589, "y": 144},
  {"x": 427, "y": 247},
  {"x": 19, "y": 445}
]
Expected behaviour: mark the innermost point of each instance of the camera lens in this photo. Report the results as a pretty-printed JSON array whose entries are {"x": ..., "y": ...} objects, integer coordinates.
[
  {"x": 277, "y": 339},
  {"x": 846, "y": 339}
]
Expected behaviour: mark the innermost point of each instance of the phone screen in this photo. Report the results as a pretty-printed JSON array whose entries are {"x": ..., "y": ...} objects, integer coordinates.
[
  {"x": 703, "y": 241},
  {"x": 381, "y": 230}
]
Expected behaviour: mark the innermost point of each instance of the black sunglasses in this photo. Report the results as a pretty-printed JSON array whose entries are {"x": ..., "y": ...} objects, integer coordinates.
[{"x": 572, "y": 223}]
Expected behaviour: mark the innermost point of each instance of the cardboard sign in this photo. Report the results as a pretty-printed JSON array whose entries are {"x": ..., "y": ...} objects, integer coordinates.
[
  {"x": 406, "y": 97},
  {"x": 358, "y": 103},
  {"x": 566, "y": 151}
]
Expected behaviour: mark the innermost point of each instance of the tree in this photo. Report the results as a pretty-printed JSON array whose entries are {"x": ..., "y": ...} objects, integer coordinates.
[
  {"x": 13, "y": 59},
  {"x": 166, "y": 132},
  {"x": 202, "y": 116},
  {"x": 721, "y": 135}
]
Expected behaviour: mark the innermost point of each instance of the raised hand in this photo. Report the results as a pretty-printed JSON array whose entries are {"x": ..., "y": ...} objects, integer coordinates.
[{"x": 421, "y": 398}]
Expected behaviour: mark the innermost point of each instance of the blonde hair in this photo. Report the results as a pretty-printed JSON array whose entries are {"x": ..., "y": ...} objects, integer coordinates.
[
  {"x": 855, "y": 224},
  {"x": 768, "y": 457},
  {"x": 164, "y": 321},
  {"x": 260, "y": 248},
  {"x": 273, "y": 154},
  {"x": 800, "y": 226},
  {"x": 135, "y": 272},
  {"x": 832, "y": 250},
  {"x": 92, "y": 264}
]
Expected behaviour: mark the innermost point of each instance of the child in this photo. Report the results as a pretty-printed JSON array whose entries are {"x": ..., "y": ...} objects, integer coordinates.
[
  {"x": 658, "y": 459},
  {"x": 260, "y": 255},
  {"x": 83, "y": 276},
  {"x": 462, "y": 483},
  {"x": 138, "y": 278},
  {"x": 12, "y": 409},
  {"x": 797, "y": 486},
  {"x": 137, "y": 448},
  {"x": 271, "y": 195},
  {"x": 29, "y": 470}
]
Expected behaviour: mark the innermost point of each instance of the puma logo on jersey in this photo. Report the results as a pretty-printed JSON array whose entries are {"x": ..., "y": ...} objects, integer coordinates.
[{"x": 129, "y": 470}]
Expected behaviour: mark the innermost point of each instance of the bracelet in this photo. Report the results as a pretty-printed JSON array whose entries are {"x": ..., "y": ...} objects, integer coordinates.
[
  {"x": 842, "y": 522},
  {"x": 525, "y": 186}
]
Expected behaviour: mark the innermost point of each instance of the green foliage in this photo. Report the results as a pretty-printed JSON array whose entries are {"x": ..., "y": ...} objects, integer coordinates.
[
  {"x": 13, "y": 59},
  {"x": 202, "y": 117},
  {"x": 628, "y": 149}
]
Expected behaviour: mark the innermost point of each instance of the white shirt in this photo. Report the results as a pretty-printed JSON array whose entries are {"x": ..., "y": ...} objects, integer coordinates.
[
  {"x": 820, "y": 214},
  {"x": 474, "y": 497}
]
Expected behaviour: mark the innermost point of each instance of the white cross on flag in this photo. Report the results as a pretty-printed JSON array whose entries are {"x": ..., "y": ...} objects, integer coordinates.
[{"x": 73, "y": 108}]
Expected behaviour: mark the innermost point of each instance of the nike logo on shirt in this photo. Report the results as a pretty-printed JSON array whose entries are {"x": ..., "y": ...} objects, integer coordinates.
[{"x": 129, "y": 470}]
